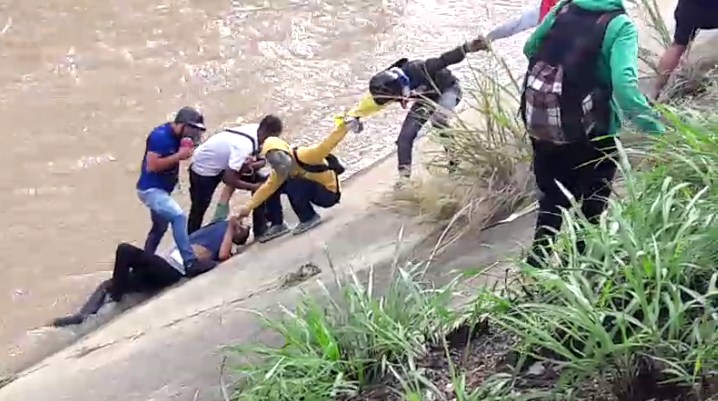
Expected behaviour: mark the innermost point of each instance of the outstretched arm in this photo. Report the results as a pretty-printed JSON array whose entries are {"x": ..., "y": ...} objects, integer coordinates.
[
  {"x": 624, "y": 79},
  {"x": 267, "y": 189},
  {"x": 454, "y": 56},
  {"x": 528, "y": 19},
  {"x": 225, "y": 249}
]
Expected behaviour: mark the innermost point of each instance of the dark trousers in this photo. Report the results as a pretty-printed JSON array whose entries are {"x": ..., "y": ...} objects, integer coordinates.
[
  {"x": 584, "y": 170},
  {"x": 268, "y": 212},
  {"x": 419, "y": 113},
  {"x": 303, "y": 194},
  {"x": 201, "y": 190},
  {"x": 139, "y": 271},
  {"x": 136, "y": 270}
]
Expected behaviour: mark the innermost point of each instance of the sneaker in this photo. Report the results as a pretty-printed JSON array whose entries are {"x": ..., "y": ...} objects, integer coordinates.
[
  {"x": 307, "y": 225},
  {"x": 274, "y": 231},
  {"x": 402, "y": 182},
  {"x": 70, "y": 320}
]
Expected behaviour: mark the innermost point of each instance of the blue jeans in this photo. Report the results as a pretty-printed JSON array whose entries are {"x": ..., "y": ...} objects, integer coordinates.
[{"x": 165, "y": 211}]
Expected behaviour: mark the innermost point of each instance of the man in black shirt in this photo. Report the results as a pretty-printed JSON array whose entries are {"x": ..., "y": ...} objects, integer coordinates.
[{"x": 690, "y": 15}]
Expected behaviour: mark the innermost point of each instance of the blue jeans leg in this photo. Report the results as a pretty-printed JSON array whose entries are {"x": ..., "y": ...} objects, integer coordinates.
[
  {"x": 161, "y": 203},
  {"x": 157, "y": 231}
]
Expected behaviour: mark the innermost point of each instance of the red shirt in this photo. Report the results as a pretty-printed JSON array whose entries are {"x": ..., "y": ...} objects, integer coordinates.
[{"x": 546, "y": 6}]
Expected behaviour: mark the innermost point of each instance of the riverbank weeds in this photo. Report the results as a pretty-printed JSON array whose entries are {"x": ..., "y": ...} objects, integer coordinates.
[
  {"x": 491, "y": 175},
  {"x": 633, "y": 317}
]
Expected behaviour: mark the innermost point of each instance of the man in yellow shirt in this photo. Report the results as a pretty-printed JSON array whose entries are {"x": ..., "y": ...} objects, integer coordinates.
[{"x": 308, "y": 175}]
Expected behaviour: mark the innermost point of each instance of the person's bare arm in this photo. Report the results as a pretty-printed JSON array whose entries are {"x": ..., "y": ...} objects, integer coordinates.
[
  {"x": 157, "y": 163},
  {"x": 257, "y": 164},
  {"x": 225, "y": 249},
  {"x": 234, "y": 179},
  {"x": 529, "y": 18}
]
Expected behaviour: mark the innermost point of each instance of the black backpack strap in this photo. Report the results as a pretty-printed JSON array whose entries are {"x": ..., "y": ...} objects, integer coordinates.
[
  {"x": 312, "y": 168},
  {"x": 255, "y": 145}
]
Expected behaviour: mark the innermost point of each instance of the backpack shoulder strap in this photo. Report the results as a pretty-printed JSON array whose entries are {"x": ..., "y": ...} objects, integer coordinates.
[
  {"x": 255, "y": 145},
  {"x": 312, "y": 168}
]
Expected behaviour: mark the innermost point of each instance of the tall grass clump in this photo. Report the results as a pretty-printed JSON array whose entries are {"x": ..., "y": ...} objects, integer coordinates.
[
  {"x": 638, "y": 307},
  {"x": 492, "y": 177},
  {"x": 345, "y": 339},
  {"x": 650, "y": 12},
  {"x": 633, "y": 316}
]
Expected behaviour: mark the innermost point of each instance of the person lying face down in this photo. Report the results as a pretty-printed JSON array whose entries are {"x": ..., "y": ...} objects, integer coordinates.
[{"x": 137, "y": 270}]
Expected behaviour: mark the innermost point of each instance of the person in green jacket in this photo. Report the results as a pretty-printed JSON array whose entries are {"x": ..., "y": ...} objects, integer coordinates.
[
  {"x": 617, "y": 64},
  {"x": 581, "y": 83}
]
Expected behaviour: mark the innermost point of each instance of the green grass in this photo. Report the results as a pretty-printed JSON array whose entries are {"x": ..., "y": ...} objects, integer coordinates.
[
  {"x": 633, "y": 317},
  {"x": 637, "y": 311},
  {"x": 347, "y": 338}
]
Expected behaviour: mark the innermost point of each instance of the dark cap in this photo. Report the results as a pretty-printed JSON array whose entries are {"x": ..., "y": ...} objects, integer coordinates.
[{"x": 193, "y": 118}]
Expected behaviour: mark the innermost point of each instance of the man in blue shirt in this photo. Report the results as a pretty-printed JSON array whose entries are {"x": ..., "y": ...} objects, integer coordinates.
[
  {"x": 137, "y": 270},
  {"x": 159, "y": 176}
]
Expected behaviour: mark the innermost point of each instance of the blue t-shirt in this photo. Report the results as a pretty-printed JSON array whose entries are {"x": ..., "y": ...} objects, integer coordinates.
[
  {"x": 163, "y": 141},
  {"x": 209, "y": 236}
]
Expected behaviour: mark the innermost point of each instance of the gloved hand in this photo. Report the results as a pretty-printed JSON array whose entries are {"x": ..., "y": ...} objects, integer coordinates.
[
  {"x": 221, "y": 212},
  {"x": 355, "y": 125},
  {"x": 476, "y": 44}
]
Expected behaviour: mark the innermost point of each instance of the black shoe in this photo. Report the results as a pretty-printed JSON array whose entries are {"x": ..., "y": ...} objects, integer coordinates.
[
  {"x": 273, "y": 232},
  {"x": 70, "y": 320}
]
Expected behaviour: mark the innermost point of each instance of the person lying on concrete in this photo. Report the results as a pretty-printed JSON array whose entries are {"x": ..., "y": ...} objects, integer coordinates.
[
  {"x": 528, "y": 19},
  {"x": 308, "y": 175},
  {"x": 583, "y": 55},
  {"x": 137, "y": 270},
  {"x": 433, "y": 88},
  {"x": 220, "y": 158},
  {"x": 690, "y": 16},
  {"x": 159, "y": 176}
]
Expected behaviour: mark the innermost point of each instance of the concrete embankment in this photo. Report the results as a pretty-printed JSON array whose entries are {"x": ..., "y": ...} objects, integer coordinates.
[{"x": 172, "y": 347}]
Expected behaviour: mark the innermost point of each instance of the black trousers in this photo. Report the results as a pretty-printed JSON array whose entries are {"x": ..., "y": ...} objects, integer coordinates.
[
  {"x": 136, "y": 270},
  {"x": 419, "y": 114},
  {"x": 268, "y": 212},
  {"x": 584, "y": 170},
  {"x": 139, "y": 271},
  {"x": 303, "y": 194},
  {"x": 201, "y": 190}
]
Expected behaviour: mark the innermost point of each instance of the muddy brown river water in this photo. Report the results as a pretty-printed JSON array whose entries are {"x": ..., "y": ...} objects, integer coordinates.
[{"x": 82, "y": 82}]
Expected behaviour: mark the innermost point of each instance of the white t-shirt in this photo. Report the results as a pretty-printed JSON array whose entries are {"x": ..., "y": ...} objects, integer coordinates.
[{"x": 225, "y": 150}]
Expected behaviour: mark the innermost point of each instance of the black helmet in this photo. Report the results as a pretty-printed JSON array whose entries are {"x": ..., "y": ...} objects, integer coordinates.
[
  {"x": 191, "y": 117},
  {"x": 388, "y": 85}
]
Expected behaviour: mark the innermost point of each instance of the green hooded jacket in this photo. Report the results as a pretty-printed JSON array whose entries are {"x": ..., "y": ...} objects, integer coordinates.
[{"x": 618, "y": 65}]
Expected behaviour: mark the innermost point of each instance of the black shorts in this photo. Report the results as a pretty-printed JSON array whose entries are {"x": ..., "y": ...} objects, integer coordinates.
[{"x": 692, "y": 15}]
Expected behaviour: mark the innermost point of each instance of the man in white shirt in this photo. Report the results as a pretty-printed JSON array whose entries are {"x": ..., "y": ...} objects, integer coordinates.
[{"x": 221, "y": 158}]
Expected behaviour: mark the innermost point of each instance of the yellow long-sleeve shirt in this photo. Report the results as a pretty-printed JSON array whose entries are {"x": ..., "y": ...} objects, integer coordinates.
[{"x": 312, "y": 155}]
